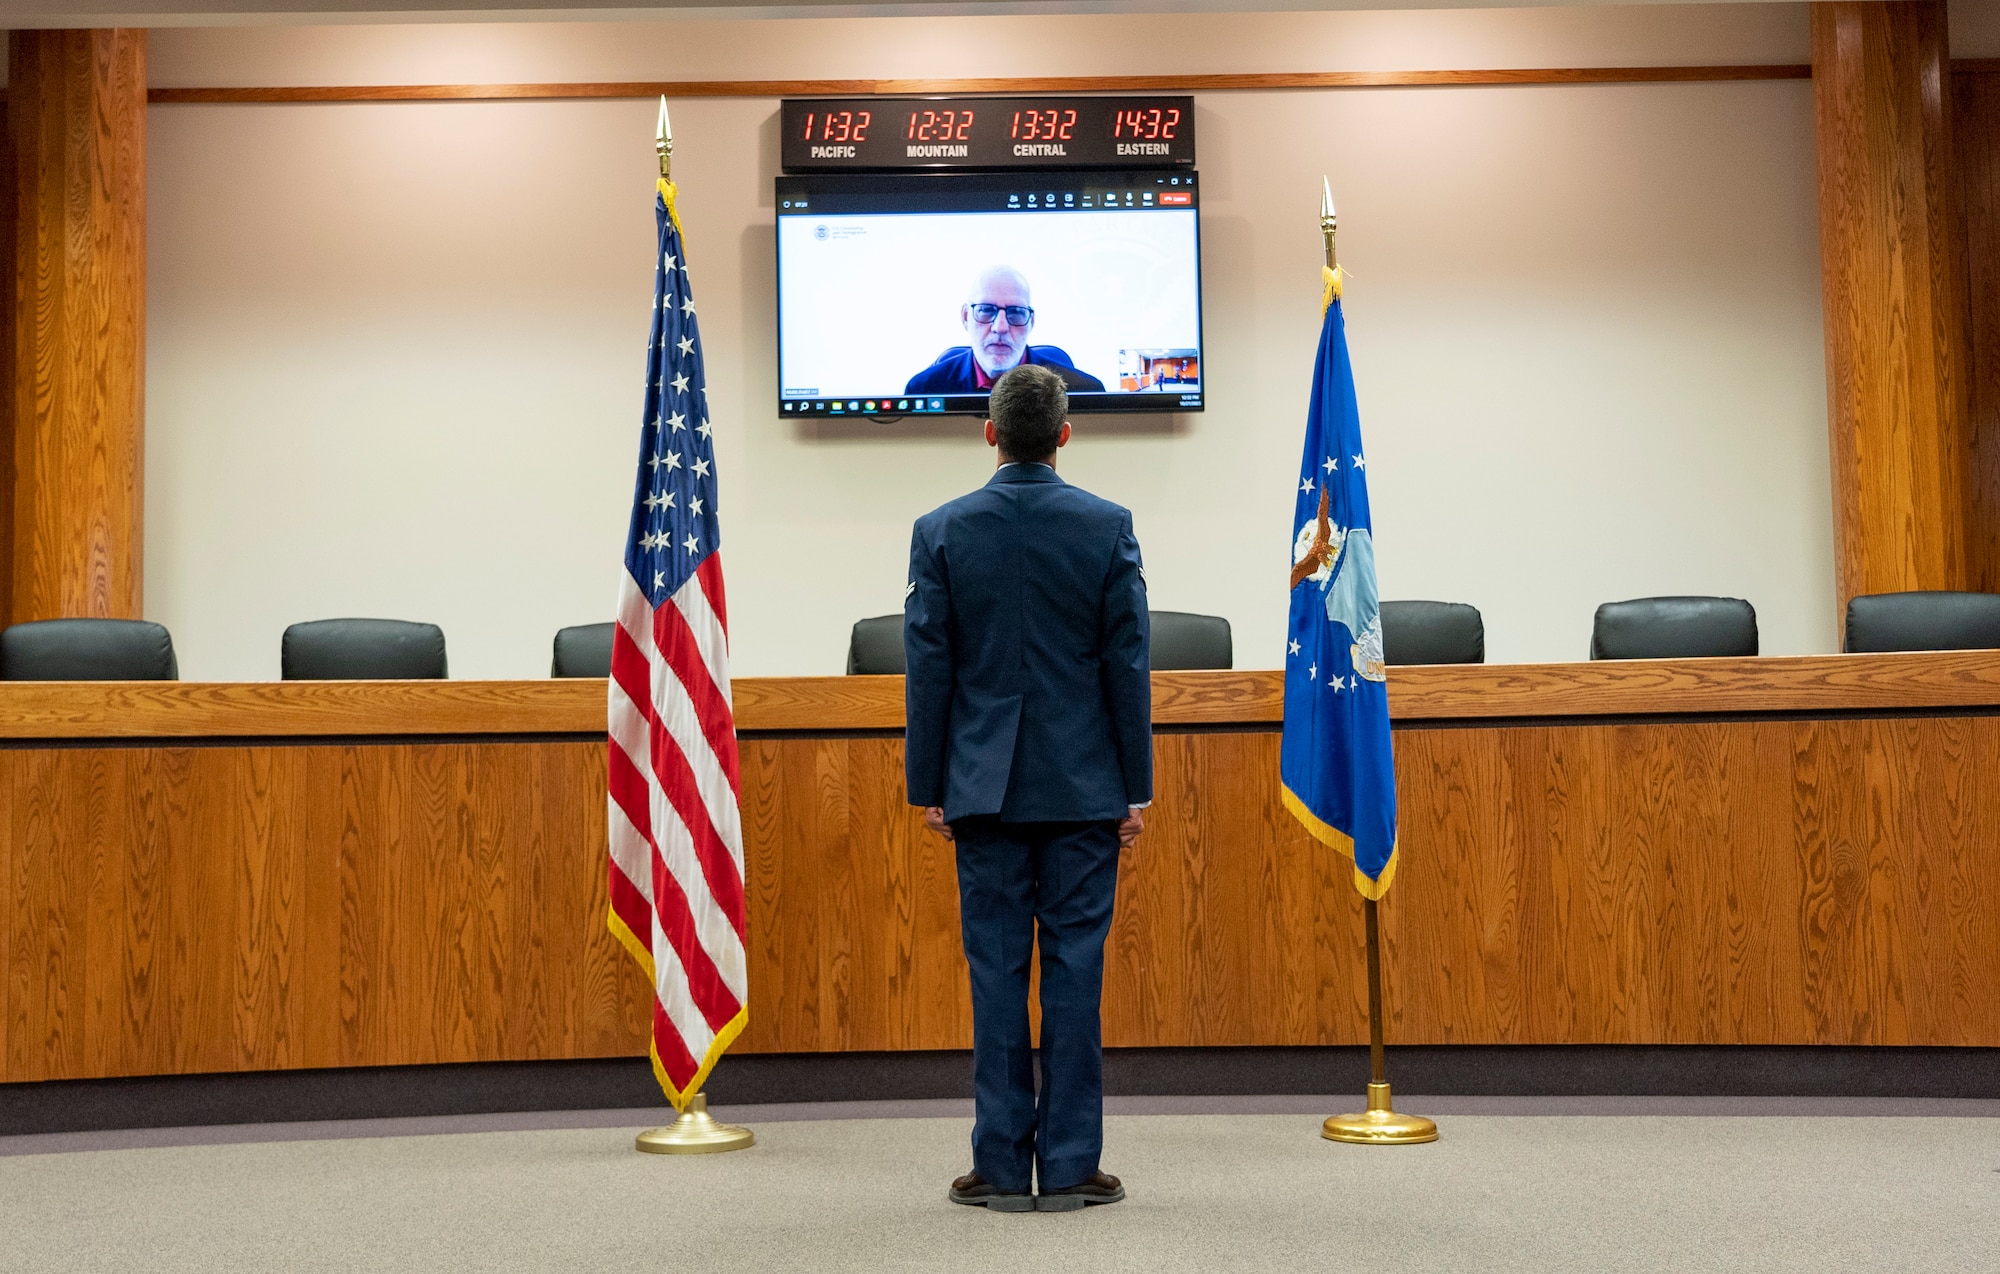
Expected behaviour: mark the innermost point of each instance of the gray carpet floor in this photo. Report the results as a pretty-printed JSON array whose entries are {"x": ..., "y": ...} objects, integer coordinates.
[{"x": 1218, "y": 1191}]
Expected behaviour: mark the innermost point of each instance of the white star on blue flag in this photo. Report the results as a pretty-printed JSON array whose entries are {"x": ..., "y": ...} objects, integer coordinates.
[{"x": 673, "y": 526}]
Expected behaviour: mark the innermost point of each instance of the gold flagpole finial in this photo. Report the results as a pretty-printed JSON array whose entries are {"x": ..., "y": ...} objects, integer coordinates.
[
  {"x": 1326, "y": 221},
  {"x": 1331, "y": 275},
  {"x": 663, "y": 142}
]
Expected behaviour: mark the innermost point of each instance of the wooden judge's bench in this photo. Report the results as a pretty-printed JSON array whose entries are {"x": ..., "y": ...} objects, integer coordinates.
[{"x": 232, "y": 877}]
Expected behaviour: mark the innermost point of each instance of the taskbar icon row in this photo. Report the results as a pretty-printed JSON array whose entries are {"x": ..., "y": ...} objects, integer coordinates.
[{"x": 880, "y": 406}]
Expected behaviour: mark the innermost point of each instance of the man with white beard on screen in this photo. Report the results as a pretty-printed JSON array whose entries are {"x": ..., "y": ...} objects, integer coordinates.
[{"x": 998, "y": 314}]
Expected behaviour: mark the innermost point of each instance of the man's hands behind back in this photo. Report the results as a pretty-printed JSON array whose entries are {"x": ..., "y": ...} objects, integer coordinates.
[{"x": 1130, "y": 826}]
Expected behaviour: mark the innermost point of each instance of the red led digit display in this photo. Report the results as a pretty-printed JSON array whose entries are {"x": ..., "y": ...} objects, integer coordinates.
[
  {"x": 841, "y": 126},
  {"x": 1147, "y": 125},
  {"x": 988, "y": 133},
  {"x": 939, "y": 126},
  {"x": 1044, "y": 126}
]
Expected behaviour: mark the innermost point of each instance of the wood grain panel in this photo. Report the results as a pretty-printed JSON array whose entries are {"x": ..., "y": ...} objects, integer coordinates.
[
  {"x": 1975, "y": 125},
  {"x": 817, "y": 705},
  {"x": 246, "y": 906},
  {"x": 1894, "y": 296},
  {"x": 9, "y": 233},
  {"x": 1637, "y": 687},
  {"x": 177, "y": 910},
  {"x": 990, "y": 84},
  {"x": 77, "y": 126},
  {"x": 298, "y": 709}
]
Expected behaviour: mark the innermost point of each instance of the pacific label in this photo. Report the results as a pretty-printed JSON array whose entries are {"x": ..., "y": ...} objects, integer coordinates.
[{"x": 833, "y": 152}]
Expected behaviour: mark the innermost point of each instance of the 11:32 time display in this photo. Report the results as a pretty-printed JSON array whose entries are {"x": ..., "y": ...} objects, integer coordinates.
[{"x": 990, "y": 133}]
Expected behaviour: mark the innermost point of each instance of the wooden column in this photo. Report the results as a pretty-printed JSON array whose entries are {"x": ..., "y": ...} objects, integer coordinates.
[
  {"x": 75, "y": 383},
  {"x": 1976, "y": 135},
  {"x": 1894, "y": 288}
]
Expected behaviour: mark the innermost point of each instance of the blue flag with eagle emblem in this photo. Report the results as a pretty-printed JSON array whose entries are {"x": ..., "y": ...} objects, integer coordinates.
[{"x": 1337, "y": 766}]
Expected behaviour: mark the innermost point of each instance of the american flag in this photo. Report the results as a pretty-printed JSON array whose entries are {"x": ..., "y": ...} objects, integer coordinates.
[{"x": 676, "y": 830}]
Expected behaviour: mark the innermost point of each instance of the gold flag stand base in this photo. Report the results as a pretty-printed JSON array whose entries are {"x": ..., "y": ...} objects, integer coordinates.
[
  {"x": 1379, "y": 1125},
  {"x": 694, "y": 1133}
]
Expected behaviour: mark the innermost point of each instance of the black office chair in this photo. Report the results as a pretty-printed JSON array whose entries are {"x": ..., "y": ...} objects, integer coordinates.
[
  {"x": 362, "y": 650},
  {"x": 1182, "y": 641},
  {"x": 88, "y": 650},
  {"x": 1674, "y": 628},
  {"x": 1923, "y": 621},
  {"x": 1432, "y": 633},
  {"x": 875, "y": 648},
  {"x": 583, "y": 651}
]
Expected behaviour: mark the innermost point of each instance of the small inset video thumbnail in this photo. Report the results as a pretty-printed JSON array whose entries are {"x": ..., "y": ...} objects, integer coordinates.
[{"x": 1161, "y": 370}]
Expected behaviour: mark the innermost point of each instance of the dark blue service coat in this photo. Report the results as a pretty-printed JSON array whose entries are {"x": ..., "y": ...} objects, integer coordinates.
[
  {"x": 953, "y": 372},
  {"x": 1028, "y": 689}
]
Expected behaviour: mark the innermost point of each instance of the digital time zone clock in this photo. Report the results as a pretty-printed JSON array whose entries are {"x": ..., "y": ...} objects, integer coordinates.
[{"x": 986, "y": 133}]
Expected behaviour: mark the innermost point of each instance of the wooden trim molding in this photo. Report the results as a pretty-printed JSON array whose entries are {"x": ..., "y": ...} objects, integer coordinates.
[
  {"x": 822, "y": 705},
  {"x": 1044, "y": 84}
]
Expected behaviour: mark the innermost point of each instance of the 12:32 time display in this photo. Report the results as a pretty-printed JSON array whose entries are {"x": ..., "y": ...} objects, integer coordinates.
[
  {"x": 947, "y": 125},
  {"x": 987, "y": 133}
]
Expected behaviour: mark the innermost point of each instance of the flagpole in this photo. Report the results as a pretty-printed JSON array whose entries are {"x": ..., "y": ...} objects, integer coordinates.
[
  {"x": 1379, "y": 1125},
  {"x": 695, "y": 1131}
]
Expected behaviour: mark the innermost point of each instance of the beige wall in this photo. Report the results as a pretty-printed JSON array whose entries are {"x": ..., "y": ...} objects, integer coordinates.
[{"x": 395, "y": 349}]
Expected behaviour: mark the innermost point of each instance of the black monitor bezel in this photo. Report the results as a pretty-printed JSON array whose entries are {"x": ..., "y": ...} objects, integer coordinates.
[{"x": 974, "y": 405}]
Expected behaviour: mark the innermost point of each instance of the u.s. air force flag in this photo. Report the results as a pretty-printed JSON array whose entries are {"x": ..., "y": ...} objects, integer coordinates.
[{"x": 1338, "y": 771}]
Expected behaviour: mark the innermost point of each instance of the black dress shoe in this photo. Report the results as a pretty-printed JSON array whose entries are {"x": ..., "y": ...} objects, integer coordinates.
[
  {"x": 1100, "y": 1188},
  {"x": 976, "y": 1191}
]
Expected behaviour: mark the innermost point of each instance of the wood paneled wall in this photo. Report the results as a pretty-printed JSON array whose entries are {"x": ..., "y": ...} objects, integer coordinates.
[
  {"x": 173, "y": 909},
  {"x": 76, "y": 125},
  {"x": 1894, "y": 296}
]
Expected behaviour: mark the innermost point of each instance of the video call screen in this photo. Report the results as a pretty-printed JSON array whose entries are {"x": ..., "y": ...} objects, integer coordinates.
[{"x": 910, "y": 294}]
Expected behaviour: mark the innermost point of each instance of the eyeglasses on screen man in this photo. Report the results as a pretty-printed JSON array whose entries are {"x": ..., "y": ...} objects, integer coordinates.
[{"x": 1017, "y": 315}]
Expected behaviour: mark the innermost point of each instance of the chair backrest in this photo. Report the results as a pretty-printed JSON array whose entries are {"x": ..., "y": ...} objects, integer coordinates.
[
  {"x": 87, "y": 650},
  {"x": 362, "y": 650},
  {"x": 1432, "y": 633},
  {"x": 1923, "y": 621},
  {"x": 1674, "y": 628},
  {"x": 875, "y": 648},
  {"x": 583, "y": 651},
  {"x": 1181, "y": 640}
]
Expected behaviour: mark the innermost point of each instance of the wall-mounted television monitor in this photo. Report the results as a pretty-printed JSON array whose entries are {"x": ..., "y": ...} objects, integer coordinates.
[{"x": 909, "y": 294}]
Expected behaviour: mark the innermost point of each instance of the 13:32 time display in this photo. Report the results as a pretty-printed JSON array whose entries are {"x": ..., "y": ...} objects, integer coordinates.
[{"x": 987, "y": 133}]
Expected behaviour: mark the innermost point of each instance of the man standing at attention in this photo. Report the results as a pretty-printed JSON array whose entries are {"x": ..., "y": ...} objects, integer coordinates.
[{"x": 1030, "y": 747}]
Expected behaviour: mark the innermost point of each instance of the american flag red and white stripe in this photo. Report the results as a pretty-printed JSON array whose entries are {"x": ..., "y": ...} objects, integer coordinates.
[{"x": 676, "y": 831}]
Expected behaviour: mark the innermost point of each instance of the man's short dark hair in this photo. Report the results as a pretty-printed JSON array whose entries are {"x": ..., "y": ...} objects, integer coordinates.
[{"x": 1027, "y": 410}]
